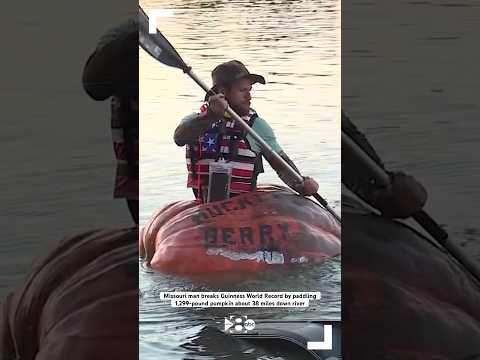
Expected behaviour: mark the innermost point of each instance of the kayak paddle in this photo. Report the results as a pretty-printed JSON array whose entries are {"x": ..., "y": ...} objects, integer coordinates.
[
  {"x": 161, "y": 49},
  {"x": 421, "y": 217}
]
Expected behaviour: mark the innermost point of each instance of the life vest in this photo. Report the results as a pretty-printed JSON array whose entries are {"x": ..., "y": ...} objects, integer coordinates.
[{"x": 223, "y": 140}]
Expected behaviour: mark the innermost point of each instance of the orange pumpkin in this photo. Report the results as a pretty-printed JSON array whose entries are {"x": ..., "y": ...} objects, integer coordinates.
[{"x": 254, "y": 231}]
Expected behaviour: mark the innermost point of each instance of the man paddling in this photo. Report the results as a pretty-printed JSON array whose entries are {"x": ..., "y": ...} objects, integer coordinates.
[
  {"x": 212, "y": 138},
  {"x": 402, "y": 198}
]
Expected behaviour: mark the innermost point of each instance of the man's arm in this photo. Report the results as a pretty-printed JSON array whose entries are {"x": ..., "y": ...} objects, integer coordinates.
[
  {"x": 403, "y": 197},
  {"x": 306, "y": 187},
  {"x": 192, "y": 126},
  {"x": 353, "y": 175},
  {"x": 284, "y": 175}
]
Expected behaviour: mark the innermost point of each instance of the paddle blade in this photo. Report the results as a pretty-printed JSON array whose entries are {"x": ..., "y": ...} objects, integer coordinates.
[{"x": 157, "y": 45}]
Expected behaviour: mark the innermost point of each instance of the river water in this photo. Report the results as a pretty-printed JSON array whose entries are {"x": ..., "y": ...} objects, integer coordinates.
[
  {"x": 409, "y": 82},
  {"x": 296, "y": 46},
  {"x": 58, "y": 161}
]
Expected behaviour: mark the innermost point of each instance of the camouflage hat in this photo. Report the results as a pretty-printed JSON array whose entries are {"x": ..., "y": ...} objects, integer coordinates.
[{"x": 231, "y": 71}]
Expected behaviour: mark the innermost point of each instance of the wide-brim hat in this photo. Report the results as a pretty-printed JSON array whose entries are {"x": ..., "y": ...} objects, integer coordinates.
[{"x": 230, "y": 71}]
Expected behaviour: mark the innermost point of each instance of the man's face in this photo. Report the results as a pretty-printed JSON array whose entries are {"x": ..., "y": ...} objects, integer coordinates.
[{"x": 238, "y": 96}]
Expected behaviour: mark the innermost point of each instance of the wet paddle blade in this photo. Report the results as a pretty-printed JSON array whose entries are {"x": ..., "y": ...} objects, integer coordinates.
[{"x": 157, "y": 45}]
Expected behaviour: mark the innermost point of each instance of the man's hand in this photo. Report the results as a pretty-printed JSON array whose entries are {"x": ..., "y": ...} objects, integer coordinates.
[
  {"x": 308, "y": 187},
  {"x": 217, "y": 104},
  {"x": 402, "y": 198},
  {"x": 194, "y": 125}
]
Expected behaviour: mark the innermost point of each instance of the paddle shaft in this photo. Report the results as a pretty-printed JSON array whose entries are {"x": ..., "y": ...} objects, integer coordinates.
[{"x": 421, "y": 217}]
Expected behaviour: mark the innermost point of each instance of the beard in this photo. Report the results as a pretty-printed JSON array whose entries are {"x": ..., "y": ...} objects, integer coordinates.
[{"x": 241, "y": 109}]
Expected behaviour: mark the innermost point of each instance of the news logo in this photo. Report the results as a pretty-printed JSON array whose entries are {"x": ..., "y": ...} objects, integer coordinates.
[
  {"x": 153, "y": 15},
  {"x": 236, "y": 324}
]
